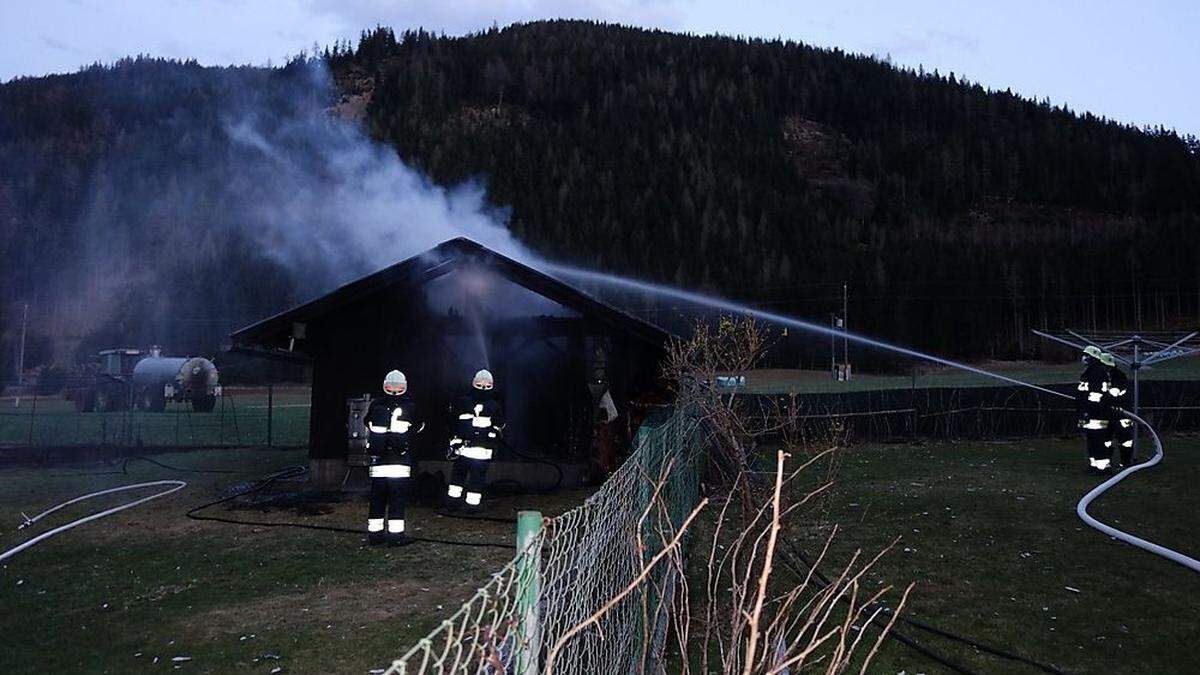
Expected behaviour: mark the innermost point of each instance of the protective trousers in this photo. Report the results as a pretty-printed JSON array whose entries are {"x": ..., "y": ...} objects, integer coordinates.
[
  {"x": 1099, "y": 448},
  {"x": 386, "y": 510},
  {"x": 1121, "y": 437},
  {"x": 467, "y": 480}
]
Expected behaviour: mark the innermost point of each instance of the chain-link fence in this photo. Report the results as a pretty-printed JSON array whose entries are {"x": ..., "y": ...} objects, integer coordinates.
[
  {"x": 270, "y": 415},
  {"x": 577, "y": 564}
]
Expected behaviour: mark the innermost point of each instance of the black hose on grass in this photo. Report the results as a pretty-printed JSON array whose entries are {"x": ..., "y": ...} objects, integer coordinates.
[
  {"x": 125, "y": 466},
  {"x": 892, "y": 634},
  {"x": 296, "y": 472},
  {"x": 918, "y": 624},
  {"x": 128, "y": 460},
  {"x": 482, "y": 519},
  {"x": 540, "y": 460},
  {"x": 929, "y": 653}
]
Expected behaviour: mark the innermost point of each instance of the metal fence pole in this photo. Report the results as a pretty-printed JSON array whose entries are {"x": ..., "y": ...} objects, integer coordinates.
[
  {"x": 237, "y": 432},
  {"x": 912, "y": 403},
  {"x": 32, "y": 415},
  {"x": 1137, "y": 394},
  {"x": 270, "y": 411},
  {"x": 129, "y": 418},
  {"x": 529, "y": 579}
]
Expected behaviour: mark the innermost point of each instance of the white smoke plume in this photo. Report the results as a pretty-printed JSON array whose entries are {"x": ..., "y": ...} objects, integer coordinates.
[
  {"x": 334, "y": 204},
  {"x": 225, "y": 197}
]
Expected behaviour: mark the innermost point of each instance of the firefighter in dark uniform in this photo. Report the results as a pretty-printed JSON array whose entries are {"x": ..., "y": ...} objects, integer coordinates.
[
  {"x": 477, "y": 423},
  {"x": 1094, "y": 410},
  {"x": 393, "y": 421},
  {"x": 1120, "y": 427}
]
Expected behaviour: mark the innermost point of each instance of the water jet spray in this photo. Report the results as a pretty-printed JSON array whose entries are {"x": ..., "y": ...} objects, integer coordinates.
[
  {"x": 730, "y": 306},
  {"x": 782, "y": 319}
]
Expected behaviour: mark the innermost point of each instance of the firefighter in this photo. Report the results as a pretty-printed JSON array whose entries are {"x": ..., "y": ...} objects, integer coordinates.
[
  {"x": 1094, "y": 409},
  {"x": 478, "y": 421},
  {"x": 1120, "y": 427},
  {"x": 392, "y": 421}
]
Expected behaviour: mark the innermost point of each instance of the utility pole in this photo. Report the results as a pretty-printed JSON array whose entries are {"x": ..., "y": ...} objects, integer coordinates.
[
  {"x": 21, "y": 350},
  {"x": 840, "y": 371},
  {"x": 833, "y": 322},
  {"x": 21, "y": 358},
  {"x": 846, "y": 328}
]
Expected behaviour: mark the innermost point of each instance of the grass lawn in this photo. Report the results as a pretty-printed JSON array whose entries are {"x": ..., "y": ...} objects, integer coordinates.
[
  {"x": 147, "y": 583},
  {"x": 240, "y": 419},
  {"x": 991, "y": 537},
  {"x": 783, "y": 381}
]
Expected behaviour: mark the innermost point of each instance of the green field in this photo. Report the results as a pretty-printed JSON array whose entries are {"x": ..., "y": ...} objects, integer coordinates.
[
  {"x": 240, "y": 419},
  {"x": 783, "y": 381},
  {"x": 113, "y": 595},
  {"x": 989, "y": 535}
]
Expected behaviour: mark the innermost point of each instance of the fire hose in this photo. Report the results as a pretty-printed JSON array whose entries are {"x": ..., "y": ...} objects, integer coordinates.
[
  {"x": 1081, "y": 508},
  {"x": 176, "y": 485}
]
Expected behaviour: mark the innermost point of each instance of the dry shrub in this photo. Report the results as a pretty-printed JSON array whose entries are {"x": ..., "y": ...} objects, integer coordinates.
[{"x": 748, "y": 605}]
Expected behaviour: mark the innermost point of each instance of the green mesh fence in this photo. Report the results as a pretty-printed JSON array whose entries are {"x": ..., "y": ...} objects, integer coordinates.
[
  {"x": 242, "y": 416},
  {"x": 586, "y": 557}
]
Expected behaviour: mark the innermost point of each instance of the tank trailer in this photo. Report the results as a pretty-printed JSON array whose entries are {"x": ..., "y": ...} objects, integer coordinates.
[{"x": 143, "y": 379}]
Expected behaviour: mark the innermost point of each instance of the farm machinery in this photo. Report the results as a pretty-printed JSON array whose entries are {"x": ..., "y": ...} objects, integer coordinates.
[{"x": 120, "y": 379}]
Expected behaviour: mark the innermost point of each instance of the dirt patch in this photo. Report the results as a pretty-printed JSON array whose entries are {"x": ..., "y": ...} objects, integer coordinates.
[{"x": 327, "y": 604}]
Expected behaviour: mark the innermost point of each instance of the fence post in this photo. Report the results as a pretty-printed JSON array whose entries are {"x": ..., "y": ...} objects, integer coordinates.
[
  {"x": 237, "y": 431},
  {"x": 270, "y": 410},
  {"x": 912, "y": 403},
  {"x": 129, "y": 418},
  {"x": 32, "y": 416},
  {"x": 529, "y": 581}
]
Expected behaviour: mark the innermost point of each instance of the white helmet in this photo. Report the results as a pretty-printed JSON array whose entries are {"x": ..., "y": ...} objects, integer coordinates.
[
  {"x": 394, "y": 383},
  {"x": 483, "y": 380}
]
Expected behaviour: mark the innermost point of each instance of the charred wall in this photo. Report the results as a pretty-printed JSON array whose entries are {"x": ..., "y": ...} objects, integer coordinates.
[{"x": 541, "y": 353}]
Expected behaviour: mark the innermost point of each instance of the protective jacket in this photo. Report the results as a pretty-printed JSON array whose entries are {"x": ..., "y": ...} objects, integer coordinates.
[
  {"x": 1091, "y": 397},
  {"x": 478, "y": 422},
  {"x": 1118, "y": 388},
  {"x": 393, "y": 422},
  {"x": 1120, "y": 426}
]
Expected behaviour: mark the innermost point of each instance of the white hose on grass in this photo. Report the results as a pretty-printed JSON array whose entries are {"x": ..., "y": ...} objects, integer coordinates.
[
  {"x": 176, "y": 486},
  {"x": 1081, "y": 509}
]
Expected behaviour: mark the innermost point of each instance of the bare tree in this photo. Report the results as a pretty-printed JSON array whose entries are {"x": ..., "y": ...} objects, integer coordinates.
[{"x": 738, "y": 603}]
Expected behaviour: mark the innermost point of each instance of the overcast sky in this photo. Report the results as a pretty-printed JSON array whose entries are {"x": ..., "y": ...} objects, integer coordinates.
[{"x": 1131, "y": 61}]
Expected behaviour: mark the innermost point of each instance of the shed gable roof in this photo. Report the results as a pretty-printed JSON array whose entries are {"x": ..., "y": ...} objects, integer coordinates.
[{"x": 262, "y": 336}]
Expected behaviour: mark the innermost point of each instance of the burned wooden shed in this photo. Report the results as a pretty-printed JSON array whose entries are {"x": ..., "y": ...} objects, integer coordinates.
[{"x": 444, "y": 314}]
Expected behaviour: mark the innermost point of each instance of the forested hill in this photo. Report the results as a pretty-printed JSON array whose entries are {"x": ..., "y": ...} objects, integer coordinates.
[
  {"x": 774, "y": 171},
  {"x": 123, "y": 207},
  {"x": 761, "y": 170}
]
